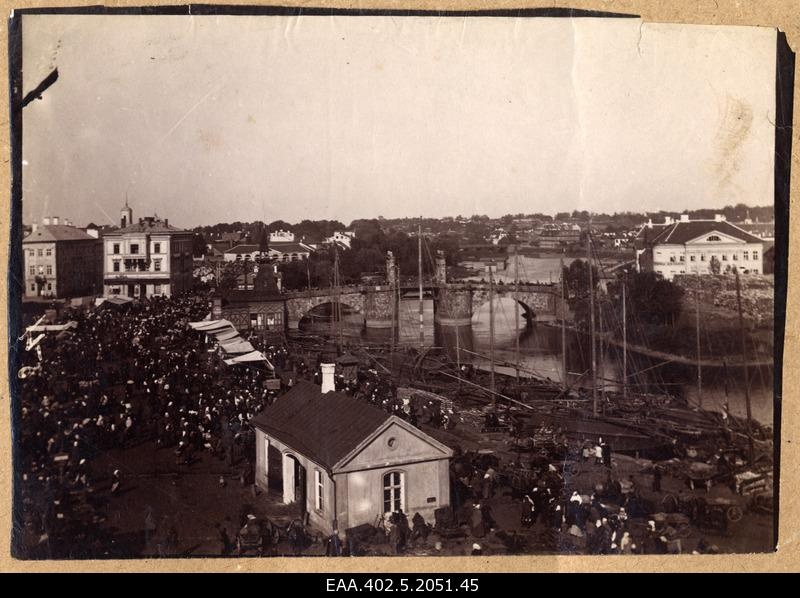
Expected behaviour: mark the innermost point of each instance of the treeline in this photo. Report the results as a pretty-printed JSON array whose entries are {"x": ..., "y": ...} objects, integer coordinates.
[{"x": 367, "y": 256}]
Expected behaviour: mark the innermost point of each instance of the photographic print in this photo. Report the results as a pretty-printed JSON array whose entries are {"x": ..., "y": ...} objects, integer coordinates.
[{"x": 320, "y": 283}]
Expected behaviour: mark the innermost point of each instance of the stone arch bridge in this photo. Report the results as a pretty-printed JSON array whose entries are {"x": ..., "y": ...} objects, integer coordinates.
[{"x": 454, "y": 303}]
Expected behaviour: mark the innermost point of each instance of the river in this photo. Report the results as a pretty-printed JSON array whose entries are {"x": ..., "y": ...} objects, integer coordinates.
[{"x": 540, "y": 355}]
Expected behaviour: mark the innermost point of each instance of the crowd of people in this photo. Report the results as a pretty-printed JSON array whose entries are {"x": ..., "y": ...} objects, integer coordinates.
[
  {"x": 137, "y": 373},
  {"x": 123, "y": 376}
]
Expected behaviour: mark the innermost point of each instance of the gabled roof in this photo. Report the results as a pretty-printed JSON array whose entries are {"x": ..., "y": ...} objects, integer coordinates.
[
  {"x": 289, "y": 247},
  {"x": 679, "y": 233},
  {"x": 57, "y": 232},
  {"x": 244, "y": 248},
  {"x": 325, "y": 428}
]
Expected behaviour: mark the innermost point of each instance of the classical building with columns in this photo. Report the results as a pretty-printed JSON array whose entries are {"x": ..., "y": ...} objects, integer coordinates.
[{"x": 346, "y": 462}]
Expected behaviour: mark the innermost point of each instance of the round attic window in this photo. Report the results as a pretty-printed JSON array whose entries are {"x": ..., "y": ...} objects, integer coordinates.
[{"x": 392, "y": 443}]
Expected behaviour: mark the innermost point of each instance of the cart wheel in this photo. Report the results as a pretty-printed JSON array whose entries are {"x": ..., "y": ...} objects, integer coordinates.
[{"x": 734, "y": 514}]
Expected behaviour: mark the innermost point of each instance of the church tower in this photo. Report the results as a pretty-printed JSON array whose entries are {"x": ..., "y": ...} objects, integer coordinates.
[{"x": 125, "y": 216}]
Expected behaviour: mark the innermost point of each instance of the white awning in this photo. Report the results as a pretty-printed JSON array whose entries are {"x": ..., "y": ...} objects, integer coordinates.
[
  {"x": 240, "y": 347},
  {"x": 211, "y": 326},
  {"x": 52, "y": 327},
  {"x": 226, "y": 335},
  {"x": 252, "y": 357}
]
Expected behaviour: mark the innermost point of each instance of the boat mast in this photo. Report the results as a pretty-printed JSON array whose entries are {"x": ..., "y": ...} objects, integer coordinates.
[
  {"x": 338, "y": 306},
  {"x": 697, "y": 334},
  {"x": 491, "y": 332},
  {"x": 624, "y": 344},
  {"x": 419, "y": 276},
  {"x": 516, "y": 310},
  {"x": 744, "y": 365},
  {"x": 563, "y": 327},
  {"x": 591, "y": 316}
]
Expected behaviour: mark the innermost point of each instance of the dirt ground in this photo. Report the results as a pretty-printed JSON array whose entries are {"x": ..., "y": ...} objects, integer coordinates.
[{"x": 185, "y": 509}]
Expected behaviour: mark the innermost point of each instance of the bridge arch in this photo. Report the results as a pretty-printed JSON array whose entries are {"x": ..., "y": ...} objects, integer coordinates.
[{"x": 299, "y": 307}]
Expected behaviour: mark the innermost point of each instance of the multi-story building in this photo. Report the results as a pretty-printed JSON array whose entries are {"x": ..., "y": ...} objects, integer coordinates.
[
  {"x": 61, "y": 261},
  {"x": 146, "y": 258},
  {"x": 697, "y": 247}
]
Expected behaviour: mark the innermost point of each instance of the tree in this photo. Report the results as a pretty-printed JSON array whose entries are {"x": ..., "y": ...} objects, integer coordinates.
[
  {"x": 652, "y": 300},
  {"x": 714, "y": 265},
  {"x": 576, "y": 281},
  {"x": 199, "y": 246}
]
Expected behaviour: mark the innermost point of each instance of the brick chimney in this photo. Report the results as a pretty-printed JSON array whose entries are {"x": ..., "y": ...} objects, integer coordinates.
[
  {"x": 55, "y": 220},
  {"x": 46, "y": 221},
  {"x": 328, "y": 370}
]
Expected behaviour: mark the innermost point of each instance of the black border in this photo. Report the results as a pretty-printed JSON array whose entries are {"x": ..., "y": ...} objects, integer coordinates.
[
  {"x": 784, "y": 88},
  {"x": 249, "y": 10},
  {"x": 784, "y": 98}
]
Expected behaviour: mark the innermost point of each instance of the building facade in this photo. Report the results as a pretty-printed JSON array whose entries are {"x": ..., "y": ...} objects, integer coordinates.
[
  {"x": 248, "y": 251},
  {"x": 289, "y": 252},
  {"x": 62, "y": 261},
  {"x": 260, "y": 309},
  {"x": 346, "y": 462},
  {"x": 146, "y": 258},
  {"x": 698, "y": 247}
]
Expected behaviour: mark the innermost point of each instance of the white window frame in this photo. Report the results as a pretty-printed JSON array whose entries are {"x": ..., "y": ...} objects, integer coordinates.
[
  {"x": 391, "y": 486},
  {"x": 319, "y": 490}
]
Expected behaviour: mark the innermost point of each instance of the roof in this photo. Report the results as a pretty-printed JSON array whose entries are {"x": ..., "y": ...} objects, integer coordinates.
[
  {"x": 324, "y": 428},
  {"x": 57, "y": 232},
  {"x": 289, "y": 247},
  {"x": 148, "y": 225},
  {"x": 245, "y": 248},
  {"x": 679, "y": 233}
]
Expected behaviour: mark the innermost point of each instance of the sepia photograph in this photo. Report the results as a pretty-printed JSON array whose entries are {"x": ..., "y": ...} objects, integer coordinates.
[{"x": 318, "y": 283}]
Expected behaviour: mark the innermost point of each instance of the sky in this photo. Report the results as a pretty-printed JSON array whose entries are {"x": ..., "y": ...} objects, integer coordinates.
[{"x": 215, "y": 119}]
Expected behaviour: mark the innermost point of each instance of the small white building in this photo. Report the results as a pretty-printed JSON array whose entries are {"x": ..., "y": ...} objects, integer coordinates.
[
  {"x": 244, "y": 252},
  {"x": 345, "y": 461},
  {"x": 344, "y": 237},
  {"x": 281, "y": 236},
  {"x": 289, "y": 251},
  {"x": 691, "y": 246}
]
